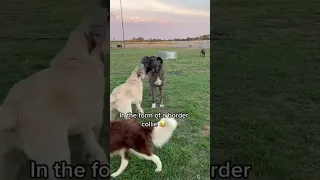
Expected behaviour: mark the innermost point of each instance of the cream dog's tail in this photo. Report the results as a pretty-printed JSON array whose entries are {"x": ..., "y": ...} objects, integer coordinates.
[
  {"x": 161, "y": 134},
  {"x": 8, "y": 118}
]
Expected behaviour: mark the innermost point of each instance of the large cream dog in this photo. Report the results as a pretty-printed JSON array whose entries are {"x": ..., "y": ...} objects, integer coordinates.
[
  {"x": 128, "y": 93},
  {"x": 67, "y": 98}
]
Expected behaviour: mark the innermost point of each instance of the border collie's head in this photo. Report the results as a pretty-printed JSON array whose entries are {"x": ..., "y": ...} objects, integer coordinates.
[{"x": 152, "y": 64}]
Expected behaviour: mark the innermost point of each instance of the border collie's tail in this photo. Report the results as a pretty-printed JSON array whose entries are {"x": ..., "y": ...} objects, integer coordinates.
[
  {"x": 8, "y": 118},
  {"x": 160, "y": 135}
]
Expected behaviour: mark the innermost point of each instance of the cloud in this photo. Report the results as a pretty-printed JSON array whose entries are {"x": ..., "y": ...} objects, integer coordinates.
[
  {"x": 160, "y": 18},
  {"x": 190, "y": 8},
  {"x": 136, "y": 19},
  {"x": 194, "y": 5}
]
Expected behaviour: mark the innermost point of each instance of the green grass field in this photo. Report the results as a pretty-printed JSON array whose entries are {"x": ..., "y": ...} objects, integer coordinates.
[
  {"x": 266, "y": 75},
  {"x": 187, "y": 90}
]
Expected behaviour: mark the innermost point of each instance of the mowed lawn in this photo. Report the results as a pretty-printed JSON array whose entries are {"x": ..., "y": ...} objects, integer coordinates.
[
  {"x": 187, "y": 90},
  {"x": 266, "y": 94}
]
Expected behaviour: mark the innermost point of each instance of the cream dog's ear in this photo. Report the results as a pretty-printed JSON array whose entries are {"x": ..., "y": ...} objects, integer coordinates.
[
  {"x": 141, "y": 66},
  {"x": 140, "y": 70},
  {"x": 96, "y": 30},
  {"x": 97, "y": 34},
  {"x": 89, "y": 38},
  {"x": 143, "y": 70}
]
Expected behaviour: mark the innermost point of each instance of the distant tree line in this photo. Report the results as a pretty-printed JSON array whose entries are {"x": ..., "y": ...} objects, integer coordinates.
[{"x": 141, "y": 39}]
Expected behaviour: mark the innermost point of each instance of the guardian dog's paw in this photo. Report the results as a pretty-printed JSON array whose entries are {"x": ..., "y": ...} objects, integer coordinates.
[
  {"x": 162, "y": 105},
  {"x": 153, "y": 105},
  {"x": 141, "y": 111},
  {"x": 158, "y": 170}
]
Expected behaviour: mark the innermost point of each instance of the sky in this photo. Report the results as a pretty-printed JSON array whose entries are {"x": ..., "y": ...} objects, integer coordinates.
[{"x": 163, "y": 19}]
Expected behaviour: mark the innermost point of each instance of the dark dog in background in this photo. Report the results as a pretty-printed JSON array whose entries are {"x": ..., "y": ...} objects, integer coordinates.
[
  {"x": 203, "y": 53},
  {"x": 154, "y": 69}
]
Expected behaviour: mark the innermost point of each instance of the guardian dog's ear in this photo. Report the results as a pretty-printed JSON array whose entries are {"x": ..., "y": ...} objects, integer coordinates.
[{"x": 160, "y": 60}]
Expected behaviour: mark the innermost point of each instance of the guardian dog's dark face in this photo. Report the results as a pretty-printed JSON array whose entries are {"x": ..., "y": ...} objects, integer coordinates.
[{"x": 152, "y": 64}]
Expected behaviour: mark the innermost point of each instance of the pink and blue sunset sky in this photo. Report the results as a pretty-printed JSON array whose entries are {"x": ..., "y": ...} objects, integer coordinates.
[{"x": 163, "y": 19}]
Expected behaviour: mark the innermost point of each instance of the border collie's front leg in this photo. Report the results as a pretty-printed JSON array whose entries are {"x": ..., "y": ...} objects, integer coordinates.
[
  {"x": 161, "y": 89},
  {"x": 152, "y": 97},
  {"x": 123, "y": 165},
  {"x": 154, "y": 158}
]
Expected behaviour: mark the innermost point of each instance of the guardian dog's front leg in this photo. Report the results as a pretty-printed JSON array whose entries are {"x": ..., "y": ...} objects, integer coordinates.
[
  {"x": 152, "y": 96},
  {"x": 161, "y": 89}
]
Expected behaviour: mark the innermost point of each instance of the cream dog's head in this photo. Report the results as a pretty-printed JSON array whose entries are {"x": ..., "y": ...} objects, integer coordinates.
[{"x": 141, "y": 73}]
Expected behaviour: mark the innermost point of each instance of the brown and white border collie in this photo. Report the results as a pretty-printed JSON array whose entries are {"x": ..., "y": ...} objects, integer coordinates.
[{"x": 129, "y": 137}]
